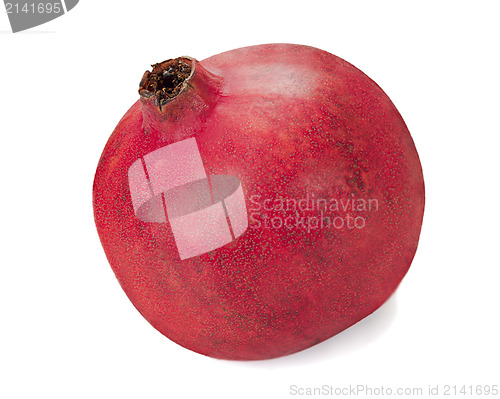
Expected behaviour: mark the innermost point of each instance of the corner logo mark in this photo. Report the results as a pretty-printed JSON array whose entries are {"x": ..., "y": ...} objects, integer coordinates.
[
  {"x": 25, "y": 14},
  {"x": 204, "y": 212}
]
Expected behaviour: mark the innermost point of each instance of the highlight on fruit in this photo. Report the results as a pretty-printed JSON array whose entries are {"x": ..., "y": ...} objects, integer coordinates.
[{"x": 260, "y": 201}]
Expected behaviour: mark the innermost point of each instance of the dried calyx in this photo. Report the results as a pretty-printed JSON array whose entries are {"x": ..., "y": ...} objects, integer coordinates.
[{"x": 166, "y": 80}]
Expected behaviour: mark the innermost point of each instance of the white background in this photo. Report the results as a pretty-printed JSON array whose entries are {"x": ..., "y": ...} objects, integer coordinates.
[{"x": 67, "y": 329}]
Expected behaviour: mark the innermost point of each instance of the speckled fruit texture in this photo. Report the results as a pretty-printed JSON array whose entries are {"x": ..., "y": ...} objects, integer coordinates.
[{"x": 322, "y": 199}]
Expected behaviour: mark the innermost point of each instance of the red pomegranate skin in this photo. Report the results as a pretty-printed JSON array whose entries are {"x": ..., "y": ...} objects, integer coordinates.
[{"x": 290, "y": 122}]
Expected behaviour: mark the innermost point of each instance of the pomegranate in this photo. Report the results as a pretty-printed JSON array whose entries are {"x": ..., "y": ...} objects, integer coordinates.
[{"x": 260, "y": 201}]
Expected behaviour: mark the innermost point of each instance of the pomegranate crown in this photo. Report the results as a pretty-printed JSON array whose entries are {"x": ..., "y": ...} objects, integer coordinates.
[{"x": 167, "y": 80}]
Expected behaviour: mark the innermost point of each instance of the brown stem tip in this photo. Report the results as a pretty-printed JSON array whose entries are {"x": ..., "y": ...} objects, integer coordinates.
[{"x": 166, "y": 80}]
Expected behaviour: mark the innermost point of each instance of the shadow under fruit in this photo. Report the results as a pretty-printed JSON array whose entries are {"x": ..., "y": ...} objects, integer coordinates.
[{"x": 260, "y": 201}]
